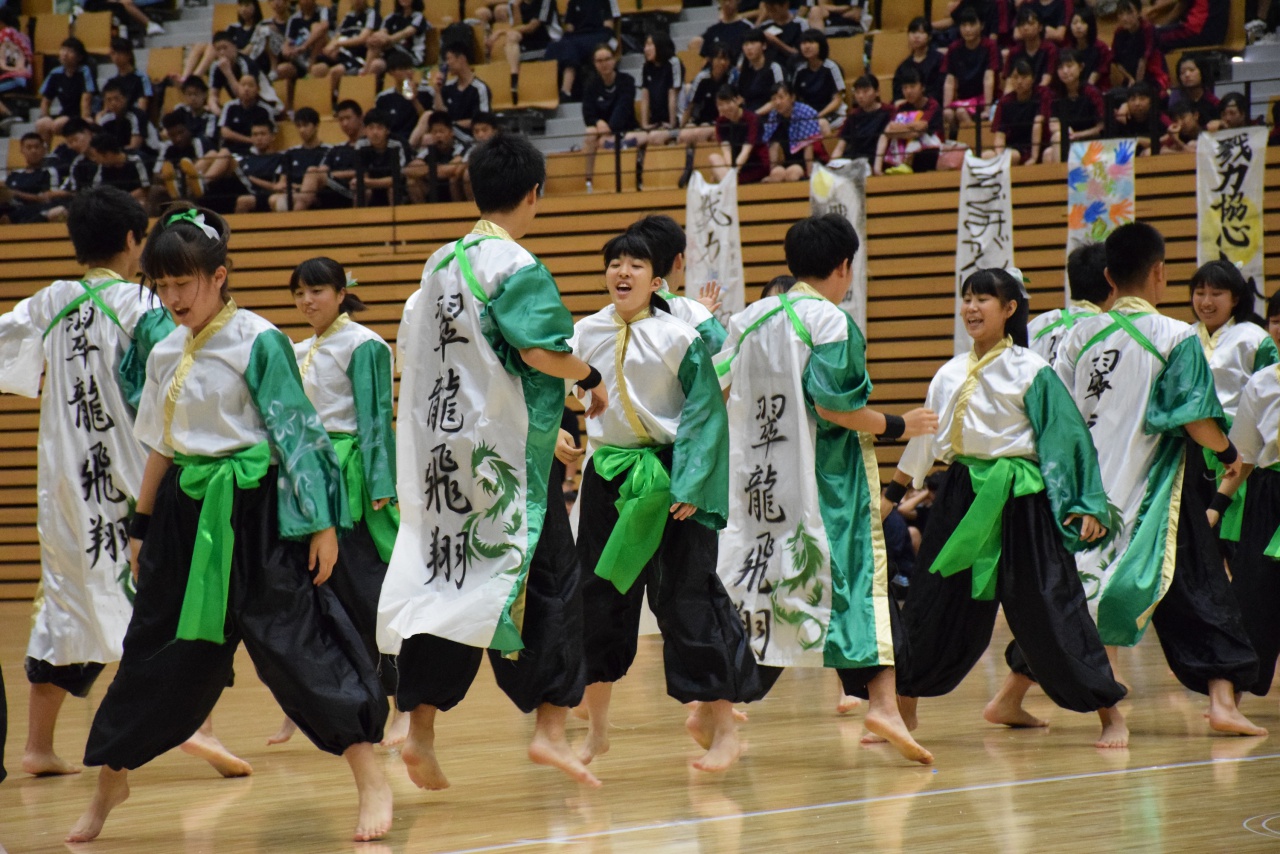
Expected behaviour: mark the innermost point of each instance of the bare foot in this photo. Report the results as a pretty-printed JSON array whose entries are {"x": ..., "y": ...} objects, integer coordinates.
[
  {"x": 558, "y": 754},
  {"x": 896, "y": 733},
  {"x": 1232, "y": 721},
  {"x": 207, "y": 747},
  {"x": 872, "y": 738},
  {"x": 907, "y": 708},
  {"x": 112, "y": 791},
  {"x": 1115, "y": 733},
  {"x": 375, "y": 810},
  {"x": 595, "y": 744},
  {"x": 700, "y": 726},
  {"x": 419, "y": 757},
  {"x": 725, "y": 750},
  {"x": 847, "y": 703},
  {"x": 47, "y": 764},
  {"x": 397, "y": 731},
  {"x": 740, "y": 716},
  {"x": 580, "y": 712},
  {"x": 286, "y": 731},
  {"x": 1010, "y": 714}
]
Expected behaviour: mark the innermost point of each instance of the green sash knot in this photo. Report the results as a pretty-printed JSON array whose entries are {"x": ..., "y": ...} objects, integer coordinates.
[
  {"x": 213, "y": 480},
  {"x": 643, "y": 502},
  {"x": 383, "y": 524},
  {"x": 975, "y": 543}
]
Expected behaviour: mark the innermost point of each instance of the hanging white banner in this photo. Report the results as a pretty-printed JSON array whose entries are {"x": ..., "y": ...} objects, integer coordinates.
[
  {"x": 841, "y": 188},
  {"x": 1230, "y": 168},
  {"x": 714, "y": 250},
  {"x": 984, "y": 230}
]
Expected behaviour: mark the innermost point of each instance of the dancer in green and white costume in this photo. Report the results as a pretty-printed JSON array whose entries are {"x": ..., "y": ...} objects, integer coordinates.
[
  {"x": 1090, "y": 294},
  {"x": 667, "y": 242}
]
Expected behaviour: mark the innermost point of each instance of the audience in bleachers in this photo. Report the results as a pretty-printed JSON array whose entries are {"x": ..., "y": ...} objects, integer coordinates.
[
  {"x": 742, "y": 145},
  {"x": 32, "y": 189},
  {"x": 865, "y": 122},
  {"x": 970, "y": 70},
  {"x": 1094, "y": 53},
  {"x": 403, "y": 33},
  {"x": 727, "y": 32},
  {"x": 1195, "y": 90},
  {"x": 925, "y": 58},
  {"x": 1018, "y": 124},
  {"x": 67, "y": 91},
  {"x": 781, "y": 30},
  {"x": 794, "y": 135},
  {"x": 1075, "y": 107},
  {"x": 608, "y": 107},
  {"x": 839, "y": 19},
  {"x": 661, "y": 81},
  {"x": 819, "y": 82},
  {"x": 586, "y": 24},
  {"x": 1041, "y": 55},
  {"x": 914, "y": 134},
  {"x": 757, "y": 74},
  {"x": 346, "y": 51},
  {"x": 16, "y": 61}
]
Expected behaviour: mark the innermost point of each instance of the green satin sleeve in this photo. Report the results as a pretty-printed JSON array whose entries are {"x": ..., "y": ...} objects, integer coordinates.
[
  {"x": 311, "y": 495},
  {"x": 147, "y": 332},
  {"x": 1183, "y": 391},
  {"x": 1068, "y": 459},
  {"x": 700, "y": 458},
  {"x": 836, "y": 376},
  {"x": 1266, "y": 356},
  {"x": 713, "y": 334},
  {"x": 370, "y": 373},
  {"x": 526, "y": 312}
]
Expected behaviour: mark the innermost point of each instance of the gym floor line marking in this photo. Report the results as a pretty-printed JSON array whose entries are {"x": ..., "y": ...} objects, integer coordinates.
[{"x": 957, "y": 790}]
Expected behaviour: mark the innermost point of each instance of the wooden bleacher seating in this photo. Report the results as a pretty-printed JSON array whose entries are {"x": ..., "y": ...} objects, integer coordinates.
[
  {"x": 37, "y": 7},
  {"x": 849, "y": 54},
  {"x": 670, "y": 8},
  {"x": 888, "y": 50},
  {"x": 363, "y": 89},
  {"x": 164, "y": 61},
  {"x": 897, "y": 14},
  {"x": 538, "y": 86},
  {"x": 1235, "y": 27},
  {"x": 313, "y": 93},
  {"x": 224, "y": 14},
  {"x": 497, "y": 76},
  {"x": 15, "y": 159},
  {"x": 95, "y": 29}
]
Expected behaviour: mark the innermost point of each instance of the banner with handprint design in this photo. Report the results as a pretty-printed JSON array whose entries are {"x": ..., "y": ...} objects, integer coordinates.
[
  {"x": 1100, "y": 189},
  {"x": 1230, "y": 167}
]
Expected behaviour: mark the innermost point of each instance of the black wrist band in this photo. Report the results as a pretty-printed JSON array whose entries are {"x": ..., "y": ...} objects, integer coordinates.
[
  {"x": 590, "y": 381},
  {"x": 895, "y": 492},
  {"x": 138, "y": 526},
  {"x": 1227, "y": 455},
  {"x": 894, "y": 426},
  {"x": 1220, "y": 503}
]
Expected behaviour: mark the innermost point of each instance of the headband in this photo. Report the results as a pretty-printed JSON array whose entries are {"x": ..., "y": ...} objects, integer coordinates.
[{"x": 196, "y": 218}]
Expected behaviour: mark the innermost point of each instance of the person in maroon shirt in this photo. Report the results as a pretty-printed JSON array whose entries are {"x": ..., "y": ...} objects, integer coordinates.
[
  {"x": 1019, "y": 121},
  {"x": 1134, "y": 54},
  {"x": 1095, "y": 54},
  {"x": 1075, "y": 105},
  {"x": 969, "y": 70},
  {"x": 738, "y": 132},
  {"x": 914, "y": 130},
  {"x": 1041, "y": 55},
  {"x": 1193, "y": 90}
]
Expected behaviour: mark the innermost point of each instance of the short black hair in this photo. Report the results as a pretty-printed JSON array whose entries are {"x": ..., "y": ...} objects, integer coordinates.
[
  {"x": 727, "y": 92},
  {"x": 1223, "y": 275},
  {"x": 968, "y": 15},
  {"x": 754, "y": 36},
  {"x": 173, "y": 119},
  {"x": 378, "y": 117},
  {"x": 1021, "y": 67},
  {"x": 867, "y": 81},
  {"x": 349, "y": 104},
  {"x": 819, "y": 38},
  {"x": 457, "y": 47},
  {"x": 504, "y": 170},
  {"x": 778, "y": 285},
  {"x": 29, "y": 135},
  {"x": 1133, "y": 251},
  {"x": 1273, "y": 305},
  {"x": 817, "y": 245},
  {"x": 1183, "y": 108},
  {"x": 122, "y": 45},
  {"x": 195, "y": 82},
  {"x": 99, "y": 221},
  {"x": 1142, "y": 89},
  {"x": 908, "y": 74},
  {"x": 78, "y": 46},
  {"x": 920, "y": 24},
  {"x": 1070, "y": 54},
  {"x": 320, "y": 270},
  {"x": 1087, "y": 273},
  {"x": 178, "y": 247},
  {"x": 484, "y": 119},
  {"x": 439, "y": 117},
  {"x": 632, "y": 244},
  {"x": 1026, "y": 15},
  {"x": 75, "y": 125},
  {"x": 105, "y": 143},
  {"x": 666, "y": 240},
  {"x": 1002, "y": 285},
  {"x": 113, "y": 85},
  {"x": 306, "y": 116},
  {"x": 784, "y": 86},
  {"x": 223, "y": 36},
  {"x": 1238, "y": 100},
  {"x": 398, "y": 60}
]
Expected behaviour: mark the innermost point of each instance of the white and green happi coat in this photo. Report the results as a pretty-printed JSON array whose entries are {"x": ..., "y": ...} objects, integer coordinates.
[
  {"x": 803, "y": 556},
  {"x": 90, "y": 340},
  {"x": 476, "y": 435},
  {"x": 696, "y": 315},
  {"x": 1235, "y": 352},
  {"x": 1256, "y": 429},
  {"x": 1137, "y": 378},
  {"x": 1047, "y": 331}
]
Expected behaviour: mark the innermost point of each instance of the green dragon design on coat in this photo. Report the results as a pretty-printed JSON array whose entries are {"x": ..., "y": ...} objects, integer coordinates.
[
  {"x": 497, "y": 478},
  {"x": 807, "y": 558}
]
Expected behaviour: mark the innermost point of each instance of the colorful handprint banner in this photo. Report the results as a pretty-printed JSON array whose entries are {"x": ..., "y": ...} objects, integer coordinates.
[
  {"x": 1230, "y": 167},
  {"x": 1100, "y": 192}
]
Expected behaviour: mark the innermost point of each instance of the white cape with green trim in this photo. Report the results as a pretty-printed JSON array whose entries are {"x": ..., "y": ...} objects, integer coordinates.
[{"x": 462, "y": 554}]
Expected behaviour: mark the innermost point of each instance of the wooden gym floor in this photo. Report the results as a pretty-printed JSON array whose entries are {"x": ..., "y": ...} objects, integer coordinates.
[{"x": 807, "y": 785}]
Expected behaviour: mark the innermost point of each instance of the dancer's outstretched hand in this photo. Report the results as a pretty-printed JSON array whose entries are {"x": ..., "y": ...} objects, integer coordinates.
[{"x": 920, "y": 422}]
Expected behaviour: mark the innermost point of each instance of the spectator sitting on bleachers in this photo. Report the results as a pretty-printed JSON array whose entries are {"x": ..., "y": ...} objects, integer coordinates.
[
  {"x": 404, "y": 31},
  {"x": 946, "y": 29},
  {"x": 267, "y": 39},
  {"x": 1233, "y": 112},
  {"x": 261, "y": 171},
  {"x": 194, "y": 108},
  {"x": 698, "y": 122},
  {"x": 915, "y": 129},
  {"x": 304, "y": 37},
  {"x": 70, "y": 87},
  {"x": 230, "y": 69},
  {"x": 248, "y": 16},
  {"x": 74, "y": 147},
  {"x": 16, "y": 60},
  {"x": 461, "y": 95},
  {"x": 1140, "y": 120},
  {"x": 782, "y": 31},
  {"x": 757, "y": 74},
  {"x": 586, "y": 23},
  {"x": 129, "y": 125},
  {"x": 1095, "y": 55},
  {"x": 381, "y": 160},
  {"x": 1054, "y": 15},
  {"x": 1018, "y": 124},
  {"x": 32, "y": 187},
  {"x": 1134, "y": 51},
  {"x": 924, "y": 58},
  {"x": 818, "y": 81},
  {"x": 865, "y": 122},
  {"x": 113, "y": 167},
  {"x": 794, "y": 136},
  {"x": 183, "y": 162},
  {"x": 136, "y": 87},
  {"x": 123, "y": 8},
  {"x": 301, "y": 158},
  {"x": 742, "y": 146},
  {"x": 345, "y": 53},
  {"x": 1041, "y": 55},
  {"x": 1198, "y": 23},
  {"x": 1193, "y": 89},
  {"x": 1075, "y": 105},
  {"x": 240, "y": 115},
  {"x": 329, "y": 184},
  {"x": 397, "y": 100},
  {"x": 1181, "y": 136},
  {"x": 608, "y": 107},
  {"x": 838, "y": 20},
  {"x": 661, "y": 79},
  {"x": 531, "y": 26},
  {"x": 727, "y": 32},
  {"x": 447, "y": 155},
  {"x": 969, "y": 70},
  {"x": 484, "y": 127}
]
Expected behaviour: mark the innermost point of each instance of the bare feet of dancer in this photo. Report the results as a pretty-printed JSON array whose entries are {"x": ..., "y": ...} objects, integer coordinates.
[
  {"x": 1224, "y": 715},
  {"x": 906, "y": 708},
  {"x": 1115, "y": 733},
  {"x": 549, "y": 746},
  {"x": 596, "y": 701},
  {"x": 205, "y": 745},
  {"x": 885, "y": 719},
  {"x": 397, "y": 728},
  {"x": 1113, "y": 658},
  {"x": 847, "y": 703},
  {"x": 419, "y": 750},
  {"x": 286, "y": 731},
  {"x": 714, "y": 727},
  {"x": 1006, "y": 709},
  {"x": 375, "y": 794},
  {"x": 42, "y": 715},
  {"x": 113, "y": 789}
]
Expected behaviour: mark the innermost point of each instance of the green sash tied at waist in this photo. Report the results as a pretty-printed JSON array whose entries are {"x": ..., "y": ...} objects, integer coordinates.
[
  {"x": 975, "y": 543},
  {"x": 643, "y": 501},
  {"x": 214, "y": 480},
  {"x": 1273, "y": 548},
  {"x": 383, "y": 524}
]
